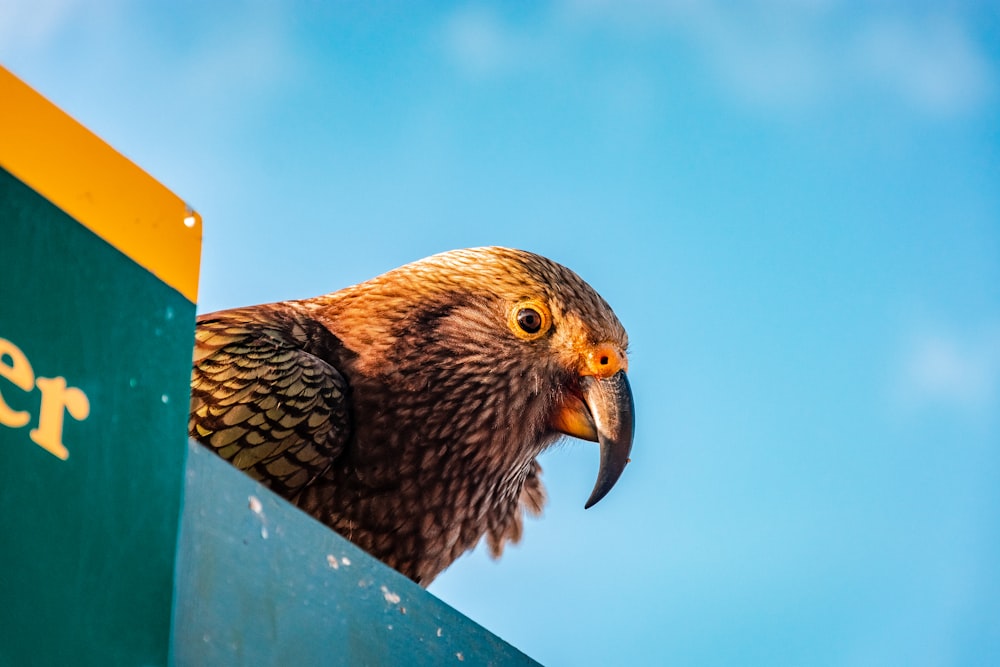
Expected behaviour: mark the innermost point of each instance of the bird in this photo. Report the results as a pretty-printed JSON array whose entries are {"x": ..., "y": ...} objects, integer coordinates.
[{"x": 407, "y": 412}]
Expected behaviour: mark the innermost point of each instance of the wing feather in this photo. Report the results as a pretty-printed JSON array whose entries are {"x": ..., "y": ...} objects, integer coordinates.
[{"x": 266, "y": 397}]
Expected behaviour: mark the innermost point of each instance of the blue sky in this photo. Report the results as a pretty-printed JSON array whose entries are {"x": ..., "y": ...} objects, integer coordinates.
[{"x": 794, "y": 208}]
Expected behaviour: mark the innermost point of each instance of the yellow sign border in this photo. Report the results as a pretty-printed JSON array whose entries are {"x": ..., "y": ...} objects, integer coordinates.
[{"x": 97, "y": 186}]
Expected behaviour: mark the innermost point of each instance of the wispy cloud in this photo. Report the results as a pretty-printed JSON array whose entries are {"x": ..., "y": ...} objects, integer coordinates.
[
  {"x": 772, "y": 54},
  {"x": 254, "y": 51},
  {"x": 482, "y": 43},
  {"x": 33, "y": 24},
  {"x": 946, "y": 369},
  {"x": 252, "y": 58},
  {"x": 782, "y": 52},
  {"x": 932, "y": 63},
  {"x": 479, "y": 43}
]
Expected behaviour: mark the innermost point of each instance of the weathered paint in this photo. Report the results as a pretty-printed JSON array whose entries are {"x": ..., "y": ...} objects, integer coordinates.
[{"x": 261, "y": 583}]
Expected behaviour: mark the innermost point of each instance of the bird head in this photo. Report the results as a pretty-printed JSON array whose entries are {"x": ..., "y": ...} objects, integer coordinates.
[{"x": 501, "y": 351}]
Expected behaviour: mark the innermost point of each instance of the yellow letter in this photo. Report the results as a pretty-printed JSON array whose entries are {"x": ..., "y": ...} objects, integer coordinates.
[
  {"x": 19, "y": 372},
  {"x": 56, "y": 397}
]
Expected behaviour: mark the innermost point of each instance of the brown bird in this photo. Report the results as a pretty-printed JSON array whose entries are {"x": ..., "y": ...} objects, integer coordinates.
[{"x": 407, "y": 412}]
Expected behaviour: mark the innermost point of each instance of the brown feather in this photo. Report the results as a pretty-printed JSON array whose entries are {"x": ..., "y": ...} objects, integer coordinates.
[{"x": 404, "y": 412}]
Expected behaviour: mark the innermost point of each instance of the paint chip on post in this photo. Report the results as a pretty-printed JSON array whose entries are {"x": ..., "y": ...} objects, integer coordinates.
[
  {"x": 390, "y": 597},
  {"x": 253, "y": 502}
]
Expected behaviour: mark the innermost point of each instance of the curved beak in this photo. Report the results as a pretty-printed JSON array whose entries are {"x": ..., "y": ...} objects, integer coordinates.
[{"x": 605, "y": 415}]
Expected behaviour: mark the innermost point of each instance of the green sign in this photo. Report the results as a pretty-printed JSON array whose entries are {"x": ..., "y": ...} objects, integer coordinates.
[{"x": 94, "y": 364}]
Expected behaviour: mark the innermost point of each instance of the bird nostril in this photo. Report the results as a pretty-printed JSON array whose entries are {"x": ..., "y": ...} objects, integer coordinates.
[{"x": 604, "y": 360}]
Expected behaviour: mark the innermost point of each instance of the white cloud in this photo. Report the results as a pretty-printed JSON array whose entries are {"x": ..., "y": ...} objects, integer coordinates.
[
  {"x": 950, "y": 370},
  {"x": 33, "y": 24},
  {"x": 931, "y": 63},
  {"x": 252, "y": 58},
  {"x": 478, "y": 41},
  {"x": 254, "y": 50},
  {"x": 806, "y": 52},
  {"x": 773, "y": 53},
  {"x": 481, "y": 44},
  {"x": 762, "y": 57}
]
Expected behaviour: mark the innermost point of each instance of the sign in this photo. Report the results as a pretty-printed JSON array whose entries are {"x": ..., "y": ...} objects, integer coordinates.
[{"x": 98, "y": 278}]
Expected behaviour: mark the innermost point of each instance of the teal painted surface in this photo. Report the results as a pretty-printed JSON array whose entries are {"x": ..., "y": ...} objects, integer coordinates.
[
  {"x": 88, "y": 547},
  {"x": 261, "y": 583}
]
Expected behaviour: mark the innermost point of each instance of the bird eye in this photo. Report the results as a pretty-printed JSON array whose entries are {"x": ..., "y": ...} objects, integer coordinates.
[{"x": 529, "y": 320}]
